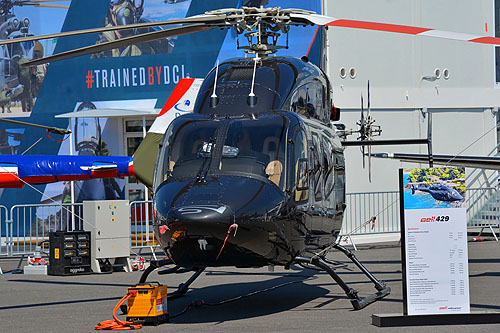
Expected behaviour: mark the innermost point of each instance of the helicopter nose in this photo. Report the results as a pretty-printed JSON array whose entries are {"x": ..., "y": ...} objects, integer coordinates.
[
  {"x": 201, "y": 212},
  {"x": 209, "y": 220},
  {"x": 216, "y": 200}
]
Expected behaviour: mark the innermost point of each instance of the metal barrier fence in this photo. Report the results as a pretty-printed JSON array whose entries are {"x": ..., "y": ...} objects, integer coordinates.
[
  {"x": 3, "y": 231},
  {"x": 478, "y": 200},
  {"x": 141, "y": 229},
  {"x": 28, "y": 225},
  {"x": 483, "y": 207},
  {"x": 35, "y": 222},
  {"x": 361, "y": 207}
]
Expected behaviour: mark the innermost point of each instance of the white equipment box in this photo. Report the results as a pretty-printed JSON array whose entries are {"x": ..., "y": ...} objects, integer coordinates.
[{"x": 109, "y": 225}]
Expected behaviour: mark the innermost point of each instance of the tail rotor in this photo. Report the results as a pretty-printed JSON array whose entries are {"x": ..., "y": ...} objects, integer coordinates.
[{"x": 367, "y": 131}]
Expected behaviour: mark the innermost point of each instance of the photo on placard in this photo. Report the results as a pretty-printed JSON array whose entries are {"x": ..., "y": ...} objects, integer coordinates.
[{"x": 434, "y": 188}]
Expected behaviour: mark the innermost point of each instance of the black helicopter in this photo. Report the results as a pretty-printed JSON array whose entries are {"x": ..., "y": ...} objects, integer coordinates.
[
  {"x": 441, "y": 192},
  {"x": 438, "y": 189},
  {"x": 255, "y": 175}
]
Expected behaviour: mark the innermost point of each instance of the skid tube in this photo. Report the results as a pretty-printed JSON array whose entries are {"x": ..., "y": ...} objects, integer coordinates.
[
  {"x": 357, "y": 302},
  {"x": 183, "y": 287}
]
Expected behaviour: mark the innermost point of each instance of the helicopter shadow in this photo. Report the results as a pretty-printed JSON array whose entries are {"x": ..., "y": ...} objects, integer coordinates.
[{"x": 235, "y": 301}]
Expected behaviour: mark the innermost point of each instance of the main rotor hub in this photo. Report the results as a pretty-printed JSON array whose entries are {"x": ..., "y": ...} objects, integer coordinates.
[{"x": 261, "y": 26}]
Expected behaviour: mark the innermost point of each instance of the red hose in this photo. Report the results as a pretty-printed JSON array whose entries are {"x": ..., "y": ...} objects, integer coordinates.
[{"x": 116, "y": 324}]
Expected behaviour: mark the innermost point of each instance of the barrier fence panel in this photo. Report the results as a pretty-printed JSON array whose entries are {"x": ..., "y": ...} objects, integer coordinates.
[
  {"x": 32, "y": 224},
  {"x": 483, "y": 207},
  {"x": 4, "y": 231},
  {"x": 28, "y": 225},
  {"x": 361, "y": 207},
  {"x": 141, "y": 219}
]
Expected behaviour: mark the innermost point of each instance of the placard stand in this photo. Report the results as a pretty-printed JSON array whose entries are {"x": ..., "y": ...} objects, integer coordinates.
[{"x": 403, "y": 319}]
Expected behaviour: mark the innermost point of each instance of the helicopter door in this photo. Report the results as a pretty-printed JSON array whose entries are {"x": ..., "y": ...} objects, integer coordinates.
[
  {"x": 330, "y": 226},
  {"x": 298, "y": 175},
  {"x": 317, "y": 209},
  {"x": 339, "y": 189}
]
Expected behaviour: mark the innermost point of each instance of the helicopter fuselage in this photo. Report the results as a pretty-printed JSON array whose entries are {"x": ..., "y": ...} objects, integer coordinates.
[
  {"x": 247, "y": 184},
  {"x": 441, "y": 192}
]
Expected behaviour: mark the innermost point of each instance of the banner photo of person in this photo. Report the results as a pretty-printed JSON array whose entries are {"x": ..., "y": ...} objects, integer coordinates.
[
  {"x": 19, "y": 85},
  {"x": 91, "y": 137}
]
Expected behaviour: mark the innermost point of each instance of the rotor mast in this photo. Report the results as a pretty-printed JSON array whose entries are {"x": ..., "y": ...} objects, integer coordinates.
[{"x": 261, "y": 27}]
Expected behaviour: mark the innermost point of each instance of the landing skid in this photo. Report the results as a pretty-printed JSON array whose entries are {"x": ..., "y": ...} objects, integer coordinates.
[
  {"x": 356, "y": 301},
  {"x": 183, "y": 287},
  {"x": 320, "y": 263}
]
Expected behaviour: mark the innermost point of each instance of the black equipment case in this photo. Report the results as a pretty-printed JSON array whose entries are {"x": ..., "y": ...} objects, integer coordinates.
[{"x": 69, "y": 253}]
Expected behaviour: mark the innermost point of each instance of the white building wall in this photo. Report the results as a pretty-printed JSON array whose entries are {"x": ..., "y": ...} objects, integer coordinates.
[{"x": 463, "y": 106}]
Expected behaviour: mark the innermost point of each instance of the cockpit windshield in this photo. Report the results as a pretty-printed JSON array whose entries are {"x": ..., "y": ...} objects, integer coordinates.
[
  {"x": 253, "y": 147},
  {"x": 189, "y": 148},
  {"x": 260, "y": 145}
]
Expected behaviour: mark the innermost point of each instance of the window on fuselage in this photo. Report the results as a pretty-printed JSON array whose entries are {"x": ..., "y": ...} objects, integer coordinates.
[
  {"x": 308, "y": 100},
  {"x": 317, "y": 168},
  {"x": 299, "y": 153},
  {"x": 328, "y": 174},
  {"x": 234, "y": 83}
]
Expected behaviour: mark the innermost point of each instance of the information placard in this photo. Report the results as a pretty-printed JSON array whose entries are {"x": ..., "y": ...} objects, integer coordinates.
[
  {"x": 434, "y": 241},
  {"x": 437, "y": 275}
]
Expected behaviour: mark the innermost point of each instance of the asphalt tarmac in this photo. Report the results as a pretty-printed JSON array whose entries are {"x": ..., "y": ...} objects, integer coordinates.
[{"x": 240, "y": 300}]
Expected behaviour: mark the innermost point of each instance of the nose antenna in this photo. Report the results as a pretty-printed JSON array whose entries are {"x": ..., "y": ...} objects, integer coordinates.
[
  {"x": 214, "y": 100},
  {"x": 252, "y": 99}
]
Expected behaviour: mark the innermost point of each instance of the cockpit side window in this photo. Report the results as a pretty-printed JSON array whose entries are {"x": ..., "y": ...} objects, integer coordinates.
[
  {"x": 309, "y": 100},
  {"x": 161, "y": 170}
]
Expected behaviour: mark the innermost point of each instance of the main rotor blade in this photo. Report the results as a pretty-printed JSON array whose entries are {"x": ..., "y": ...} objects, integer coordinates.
[
  {"x": 123, "y": 42},
  {"x": 49, "y": 129},
  {"x": 402, "y": 29},
  {"x": 44, "y": 5},
  {"x": 192, "y": 19},
  {"x": 19, "y": 3}
]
